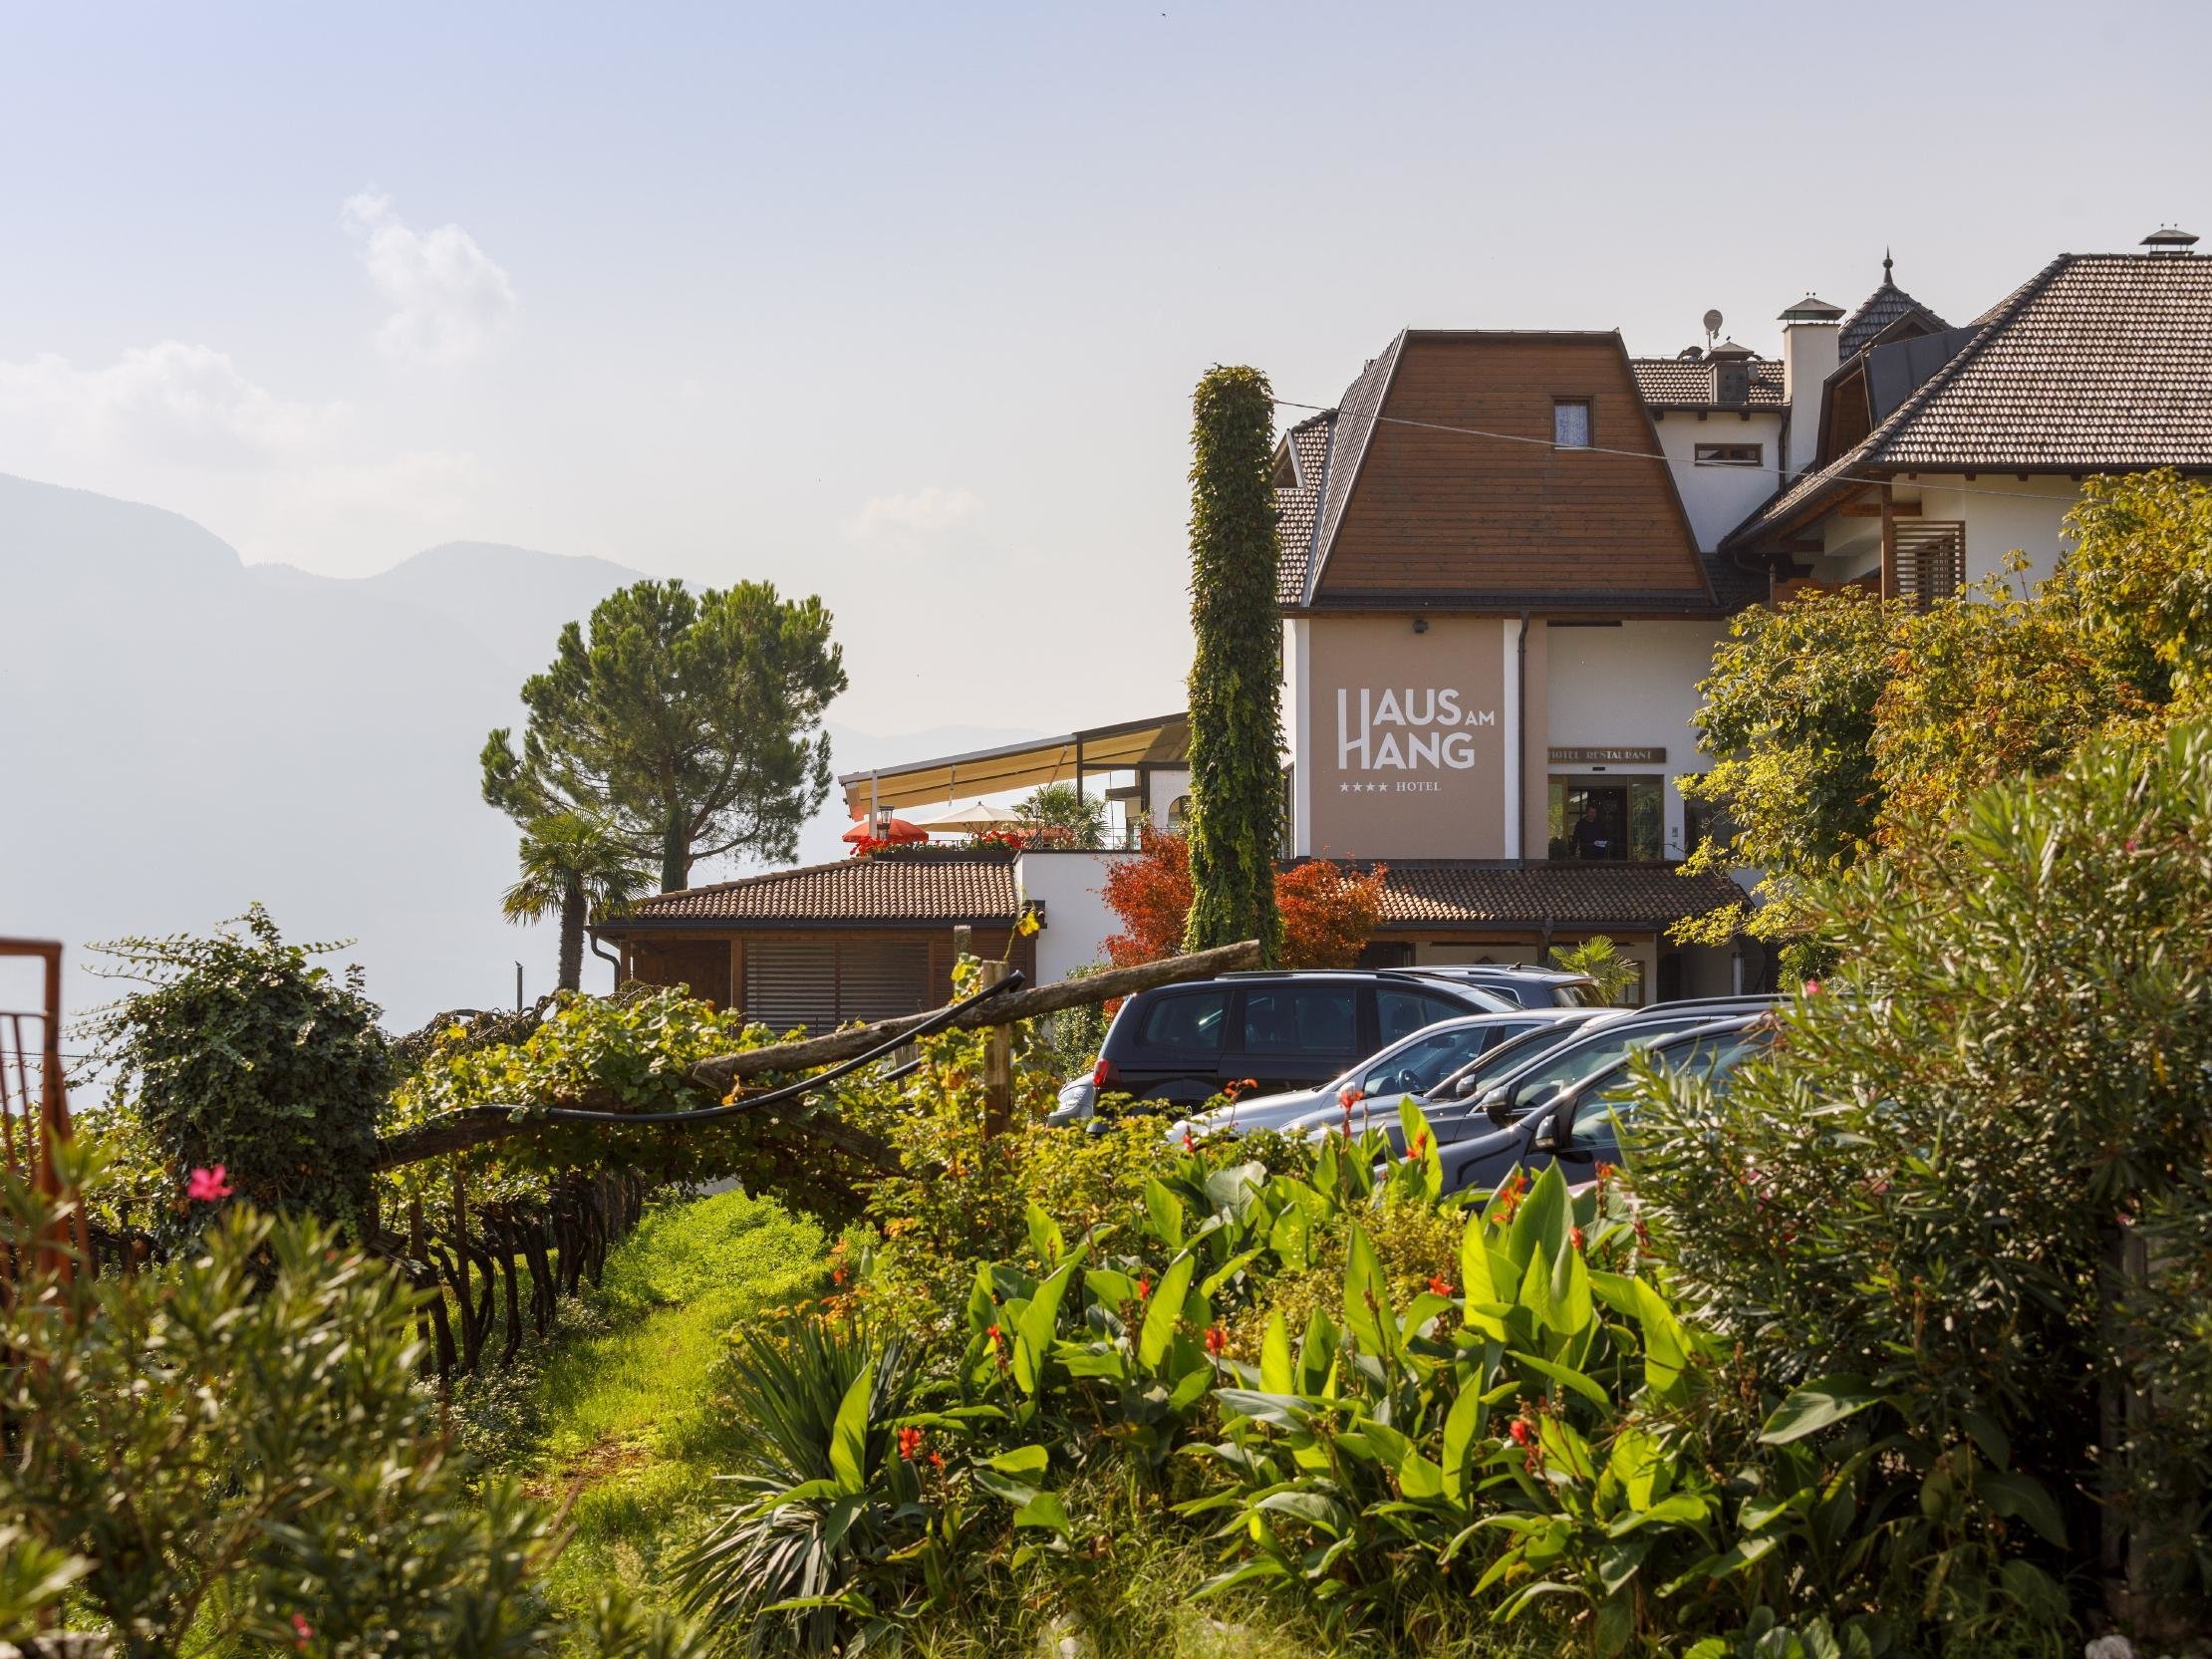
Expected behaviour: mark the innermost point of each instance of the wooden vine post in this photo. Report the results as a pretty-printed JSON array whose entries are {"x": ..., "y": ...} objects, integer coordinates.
[{"x": 997, "y": 1065}]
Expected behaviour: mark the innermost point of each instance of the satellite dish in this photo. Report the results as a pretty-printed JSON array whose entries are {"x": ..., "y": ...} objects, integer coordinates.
[{"x": 1713, "y": 324}]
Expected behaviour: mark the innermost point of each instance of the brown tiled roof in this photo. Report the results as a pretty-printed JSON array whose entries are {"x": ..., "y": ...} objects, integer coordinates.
[
  {"x": 1423, "y": 893},
  {"x": 890, "y": 887},
  {"x": 2097, "y": 362},
  {"x": 1350, "y": 433},
  {"x": 1298, "y": 508},
  {"x": 1681, "y": 383},
  {"x": 1884, "y": 306}
]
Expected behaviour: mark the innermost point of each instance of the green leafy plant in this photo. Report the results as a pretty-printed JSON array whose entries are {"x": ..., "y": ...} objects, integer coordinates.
[
  {"x": 1614, "y": 975},
  {"x": 222, "y": 1450},
  {"x": 241, "y": 1051}
]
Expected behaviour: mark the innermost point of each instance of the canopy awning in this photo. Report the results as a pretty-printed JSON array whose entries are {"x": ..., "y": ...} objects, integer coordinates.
[{"x": 1161, "y": 741}]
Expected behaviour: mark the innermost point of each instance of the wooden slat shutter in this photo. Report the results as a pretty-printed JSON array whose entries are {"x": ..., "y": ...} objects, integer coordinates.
[
  {"x": 880, "y": 978},
  {"x": 791, "y": 981}
]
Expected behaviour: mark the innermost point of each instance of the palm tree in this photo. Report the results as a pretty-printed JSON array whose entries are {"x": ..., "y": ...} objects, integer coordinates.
[{"x": 576, "y": 868}]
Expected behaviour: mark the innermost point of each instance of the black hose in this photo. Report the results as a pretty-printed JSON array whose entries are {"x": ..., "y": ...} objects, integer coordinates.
[{"x": 790, "y": 1091}]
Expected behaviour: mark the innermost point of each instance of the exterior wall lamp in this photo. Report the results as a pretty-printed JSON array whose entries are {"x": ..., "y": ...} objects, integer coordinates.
[{"x": 1419, "y": 625}]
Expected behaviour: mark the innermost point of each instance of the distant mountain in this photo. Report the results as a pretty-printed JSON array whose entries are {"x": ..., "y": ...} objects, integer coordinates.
[{"x": 186, "y": 733}]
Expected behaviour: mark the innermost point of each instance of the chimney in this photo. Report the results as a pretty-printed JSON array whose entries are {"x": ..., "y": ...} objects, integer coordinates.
[
  {"x": 2169, "y": 242},
  {"x": 1809, "y": 332}
]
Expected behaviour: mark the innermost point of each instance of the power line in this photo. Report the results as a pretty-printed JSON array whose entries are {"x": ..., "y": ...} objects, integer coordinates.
[{"x": 1778, "y": 472}]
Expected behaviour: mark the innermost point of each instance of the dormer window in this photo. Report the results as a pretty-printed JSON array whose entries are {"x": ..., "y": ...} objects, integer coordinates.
[
  {"x": 1732, "y": 385},
  {"x": 1570, "y": 422}
]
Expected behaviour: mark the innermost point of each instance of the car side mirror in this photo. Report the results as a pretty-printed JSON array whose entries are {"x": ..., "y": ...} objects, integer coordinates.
[
  {"x": 1497, "y": 1105},
  {"x": 1552, "y": 1121}
]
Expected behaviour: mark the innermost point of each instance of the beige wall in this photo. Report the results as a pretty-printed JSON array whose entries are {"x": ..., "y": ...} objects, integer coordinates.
[{"x": 1406, "y": 737}]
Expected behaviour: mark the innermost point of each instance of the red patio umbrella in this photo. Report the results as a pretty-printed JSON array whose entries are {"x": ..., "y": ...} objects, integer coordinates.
[{"x": 894, "y": 830}]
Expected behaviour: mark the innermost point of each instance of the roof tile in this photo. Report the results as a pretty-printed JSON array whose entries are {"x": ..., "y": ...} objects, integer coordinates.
[
  {"x": 1687, "y": 383},
  {"x": 892, "y": 887},
  {"x": 1455, "y": 892}
]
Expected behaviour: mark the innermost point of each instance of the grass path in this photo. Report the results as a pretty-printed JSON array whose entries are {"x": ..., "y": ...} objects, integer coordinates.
[{"x": 623, "y": 1415}]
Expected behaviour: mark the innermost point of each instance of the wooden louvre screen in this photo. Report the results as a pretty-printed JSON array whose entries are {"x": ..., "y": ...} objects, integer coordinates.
[
  {"x": 878, "y": 978},
  {"x": 1931, "y": 559},
  {"x": 791, "y": 981}
]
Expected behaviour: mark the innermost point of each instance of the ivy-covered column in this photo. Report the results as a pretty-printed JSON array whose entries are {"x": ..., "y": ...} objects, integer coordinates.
[{"x": 1235, "y": 669}]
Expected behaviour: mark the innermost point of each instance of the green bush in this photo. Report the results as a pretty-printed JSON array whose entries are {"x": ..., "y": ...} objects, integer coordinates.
[
  {"x": 241, "y": 1052},
  {"x": 1926, "y": 1202},
  {"x": 232, "y": 1449}
]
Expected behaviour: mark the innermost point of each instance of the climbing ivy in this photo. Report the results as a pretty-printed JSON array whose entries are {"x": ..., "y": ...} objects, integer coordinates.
[{"x": 1235, "y": 669}]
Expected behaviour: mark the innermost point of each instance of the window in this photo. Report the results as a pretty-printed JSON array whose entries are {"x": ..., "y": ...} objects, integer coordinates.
[
  {"x": 1570, "y": 422},
  {"x": 1301, "y": 1019},
  {"x": 1400, "y": 1013},
  {"x": 1732, "y": 454},
  {"x": 1421, "y": 1064},
  {"x": 1188, "y": 1023}
]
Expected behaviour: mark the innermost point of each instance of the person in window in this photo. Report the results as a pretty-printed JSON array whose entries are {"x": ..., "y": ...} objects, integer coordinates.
[{"x": 1591, "y": 838}]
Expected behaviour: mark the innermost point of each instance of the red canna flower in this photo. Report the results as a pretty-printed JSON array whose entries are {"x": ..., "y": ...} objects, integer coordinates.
[
  {"x": 1216, "y": 1340},
  {"x": 1437, "y": 1287},
  {"x": 1349, "y": 1097},
  {"x": 910, "y": 1442},
  {"x": 1419, "y": 1149},
  {"x": 1574, "y": 1236},
  {"x": 1190, "y": 1141},
  {"x": 936, "y": 1460},
  {"x": 1521, "y": 1431},
  {"x": 1144, "y": 1288},
  {"x": 301, "y": 1631},
  {"x": 207, "y": 1186}
]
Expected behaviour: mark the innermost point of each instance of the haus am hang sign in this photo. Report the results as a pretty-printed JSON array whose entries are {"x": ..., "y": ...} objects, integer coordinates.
[{"x": 1406, "y": 746}]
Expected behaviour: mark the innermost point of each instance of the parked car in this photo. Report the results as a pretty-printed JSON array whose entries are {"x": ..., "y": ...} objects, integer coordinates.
[
  {"x": 1576, "y": 1125},
  {"x": 1411, "y": 1065},
  {"x": 1484, "y": 1096},
  {"x": 1532, "y": 988},
  {"x": 1180, "y": 1045}
]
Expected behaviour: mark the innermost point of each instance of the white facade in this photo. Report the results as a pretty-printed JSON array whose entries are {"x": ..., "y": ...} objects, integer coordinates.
[
  {"x": 2002, "y": 514},
  {"x": 1717, "y": 497},
  {"x": 1630, "y": 686},
  {"x": 1071, "y": 887}
]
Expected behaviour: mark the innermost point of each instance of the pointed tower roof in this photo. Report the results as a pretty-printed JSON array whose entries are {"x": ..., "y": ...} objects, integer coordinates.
[{"x": 1884, "y": 306}]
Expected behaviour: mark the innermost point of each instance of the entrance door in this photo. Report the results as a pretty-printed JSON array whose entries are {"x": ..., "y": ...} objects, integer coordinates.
[{"x": 1606, "y": 818}]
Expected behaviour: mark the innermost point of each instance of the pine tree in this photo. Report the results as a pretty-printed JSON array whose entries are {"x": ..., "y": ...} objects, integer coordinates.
[{"x": 1235, "y": 672}]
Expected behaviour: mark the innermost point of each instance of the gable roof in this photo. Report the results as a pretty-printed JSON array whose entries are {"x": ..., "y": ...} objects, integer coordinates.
[
  {"x": 1880, "y": 311},
  {"x": 1418, "y": 893},
  {"x": 1687, "y": 383},
  {"x": 1299, "y": 505},
  {"x": 1351, "y": 434},
  {"x": 922, "y": 886},
  {"x": 2097, "y": 362}
]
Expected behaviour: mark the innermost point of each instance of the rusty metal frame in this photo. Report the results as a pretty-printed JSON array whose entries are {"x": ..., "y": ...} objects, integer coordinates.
[{"x": 32, "y": 1125}]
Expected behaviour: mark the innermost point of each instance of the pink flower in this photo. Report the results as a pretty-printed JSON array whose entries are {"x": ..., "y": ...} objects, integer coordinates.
[
  {"x": 301, "y": 1631},
  {"x": 207, "y": 1186},
  {"x": 1812, "y": 988}
]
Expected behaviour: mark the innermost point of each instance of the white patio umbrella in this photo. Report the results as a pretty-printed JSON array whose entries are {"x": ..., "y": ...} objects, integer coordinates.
[{"x": 972, "y": 819}]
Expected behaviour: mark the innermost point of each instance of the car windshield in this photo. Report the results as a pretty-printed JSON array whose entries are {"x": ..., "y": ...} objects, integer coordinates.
[
  {"x": 1594, "y": 1051},
  {"x": 1515, "y": 1051},
  {"x": 1712, "y": 1056},
  {"x": 1415, "y": 1066},
  {"x": 1571, "y": 994}
]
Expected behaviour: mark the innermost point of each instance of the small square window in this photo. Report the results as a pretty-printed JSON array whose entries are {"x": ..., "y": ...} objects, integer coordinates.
[
  {"x": 1731, "y": 454},
  {"x": 1570, "y": 422}
]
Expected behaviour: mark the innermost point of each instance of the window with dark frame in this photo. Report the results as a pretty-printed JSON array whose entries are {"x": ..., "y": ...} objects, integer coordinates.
[
  {"x": 1570, "y": 422},
  {"x": 1731, "y": 454}
]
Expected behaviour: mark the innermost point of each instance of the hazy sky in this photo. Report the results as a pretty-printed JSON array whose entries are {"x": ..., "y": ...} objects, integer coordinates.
[{"x": 903, "y": 304}]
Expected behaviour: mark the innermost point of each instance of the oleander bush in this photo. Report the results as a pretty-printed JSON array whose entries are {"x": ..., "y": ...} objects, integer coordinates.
[{"x": 233, "y": 1452}]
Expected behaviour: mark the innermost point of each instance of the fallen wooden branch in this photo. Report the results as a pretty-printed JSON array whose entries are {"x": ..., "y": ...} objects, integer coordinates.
[
  {"x": 719, "y": 1072},
  {"x": 715, "y": 1077}
]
